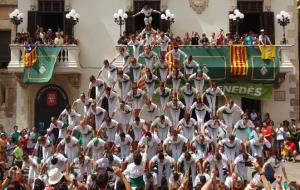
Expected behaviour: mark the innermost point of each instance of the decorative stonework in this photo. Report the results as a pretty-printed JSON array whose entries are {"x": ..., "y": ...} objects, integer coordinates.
[{"x": 198, "y": 5}]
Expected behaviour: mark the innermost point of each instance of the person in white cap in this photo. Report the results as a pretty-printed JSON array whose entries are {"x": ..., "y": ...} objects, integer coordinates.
[
  {"x": 164, "y": 94},
  {"x": 149, "y": 56},
  {"x": 227, "y": 112},
  {"x": 163, "y": 68},
  {"x": 263, "y": 38},
  {"x": 54, "y": 176},
  {"x": 199, "y": 79}
]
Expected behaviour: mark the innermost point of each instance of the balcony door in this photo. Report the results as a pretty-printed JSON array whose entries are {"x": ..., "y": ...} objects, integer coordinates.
[
  {"x": 5, "y": 37},
  {"x": 50, "y": 101},
  {"x": 50, "y": 14},
  {"x": 255, "y": 18}
]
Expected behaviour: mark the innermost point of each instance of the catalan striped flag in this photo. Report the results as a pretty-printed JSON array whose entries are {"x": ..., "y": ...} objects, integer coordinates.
[
  {"x": 238, "y": 60},
  {"x": 170, "y": 58},
  {"x": 29, "y": 56},
  {"x": 142, "y": 84}
]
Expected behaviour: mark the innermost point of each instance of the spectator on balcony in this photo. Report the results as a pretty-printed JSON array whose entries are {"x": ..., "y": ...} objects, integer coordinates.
[
  {"x": 58, "y": 39},
  {"x": 213, "y": 39},
  {"x": 220, "y": 38},
  {"x": 263, "y": 38},
  {"x": 195, "y": 38},
  {"x": 187, "y": 39},
  {"x": 123, "y": 40},
  {"x": 204, "y": 40},
  {"x": 228, "y": 39},
  {"x": 236, "y": 39},
  {"x": 67, "y": 40},
  {"x": 178, "y": 40},
  {"x": 248, "y": 39}
]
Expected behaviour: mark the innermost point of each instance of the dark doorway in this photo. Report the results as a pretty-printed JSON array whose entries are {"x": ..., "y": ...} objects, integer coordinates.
[
  {"x": 52, "y": 20},
  {"x": 50, "y": 101},
  {"x": 250, "y": 104},
  {"x": 5, "y": 37},
  {"x": 252, "y": 22}
]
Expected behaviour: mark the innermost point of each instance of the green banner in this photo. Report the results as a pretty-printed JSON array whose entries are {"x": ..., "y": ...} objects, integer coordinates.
[
  {"x": 42, "y": 70},
  {"x": 262, "y": 70},
  {"x": 248, "y": 90}
]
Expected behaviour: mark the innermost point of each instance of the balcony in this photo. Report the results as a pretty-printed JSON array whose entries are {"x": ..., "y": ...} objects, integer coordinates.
[
  {"x": 284, "y": 55},
  {"x": 67, "y": 61}
]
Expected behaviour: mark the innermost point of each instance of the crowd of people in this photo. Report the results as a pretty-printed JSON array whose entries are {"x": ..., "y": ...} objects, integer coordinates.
[
  {"x": 42, "y": 37},
  {"x": 166, "y": 134}
]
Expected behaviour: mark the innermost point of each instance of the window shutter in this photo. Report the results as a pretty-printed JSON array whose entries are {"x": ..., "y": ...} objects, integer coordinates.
[
  {"x": 68, "y": 25},
  {"x": 129, "y": 26},
  {"x": 231, "y": 24},
  {"x": 33, "y": 21},
  {"x": 268, "y": 24}
]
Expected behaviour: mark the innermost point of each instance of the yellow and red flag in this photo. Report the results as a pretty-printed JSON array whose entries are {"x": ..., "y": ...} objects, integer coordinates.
[
  {"x": 142, "y": 83},
  {"x": 169, "y": 57},
  {"x": 238, "y": 60},
  {"x": 29, "y": 56},
  {"x": 267, "y": 51}
]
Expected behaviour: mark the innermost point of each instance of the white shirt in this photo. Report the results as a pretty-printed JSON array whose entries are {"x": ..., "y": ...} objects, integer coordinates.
[
  {"x": 211, "y": 91},
  {"x": 190, "y": 66},
  {"x": 135, "y": 171}
]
